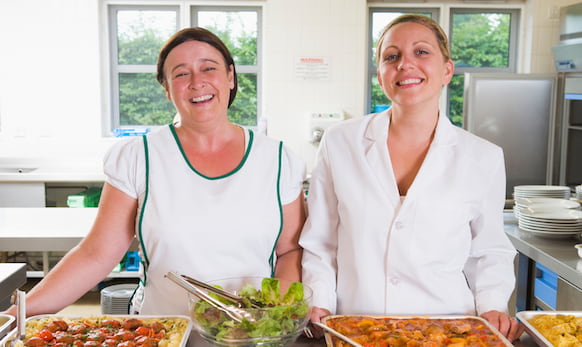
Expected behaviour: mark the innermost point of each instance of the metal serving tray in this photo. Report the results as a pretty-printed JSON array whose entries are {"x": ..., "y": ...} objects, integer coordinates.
[
  {"x": 5, "y": 324},
  {"x": 328, "y": 337},
  {"x": 6, "y": 340},
  {"x": 525, "y": 316}
]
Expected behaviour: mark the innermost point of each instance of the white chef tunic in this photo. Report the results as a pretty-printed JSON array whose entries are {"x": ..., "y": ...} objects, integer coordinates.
[
  {"x": 205, "y": 227},
  {"x": 443, "y": 251}
]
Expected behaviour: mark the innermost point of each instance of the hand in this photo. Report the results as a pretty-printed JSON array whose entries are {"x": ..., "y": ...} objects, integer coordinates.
[
  {"x": 509, "y": 327},
  {"x": 316, "y": 315}
]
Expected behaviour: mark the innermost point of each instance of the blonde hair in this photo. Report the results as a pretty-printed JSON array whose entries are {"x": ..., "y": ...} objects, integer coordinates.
[{"x": 422, "y": 20}]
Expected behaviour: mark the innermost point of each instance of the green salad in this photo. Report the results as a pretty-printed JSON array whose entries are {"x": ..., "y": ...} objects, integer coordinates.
[{"x": 279, "y": 315}]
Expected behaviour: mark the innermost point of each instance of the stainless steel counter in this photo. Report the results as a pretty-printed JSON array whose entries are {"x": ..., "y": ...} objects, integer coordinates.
[
  {"x": 12, "y": 276},
  {"x": 558, "y": 255}
]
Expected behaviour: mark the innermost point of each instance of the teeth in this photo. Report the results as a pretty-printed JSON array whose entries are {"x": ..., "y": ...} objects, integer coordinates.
[
  {"x": 202, "y": 98},
  {"x": 409, "y": 81}
]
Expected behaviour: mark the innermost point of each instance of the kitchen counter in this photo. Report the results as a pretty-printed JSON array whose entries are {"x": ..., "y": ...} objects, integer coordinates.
[
  {"x": 558, "y": 255},
  {"x": 12, "y": 277},
  {"x": 47, "y": 229}
]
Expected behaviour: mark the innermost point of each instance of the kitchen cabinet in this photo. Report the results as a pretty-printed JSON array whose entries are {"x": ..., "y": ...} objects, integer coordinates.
[{"x": 22, "y": 194}]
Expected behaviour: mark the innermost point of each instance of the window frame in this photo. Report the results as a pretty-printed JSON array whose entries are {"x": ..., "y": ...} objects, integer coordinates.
[
  {"x": 185, "y": 10},
  {"x": 444, "y": 18}
]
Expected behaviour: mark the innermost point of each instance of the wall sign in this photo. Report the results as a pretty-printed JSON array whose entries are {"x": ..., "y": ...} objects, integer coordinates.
[{"x": 312, "y": 68}]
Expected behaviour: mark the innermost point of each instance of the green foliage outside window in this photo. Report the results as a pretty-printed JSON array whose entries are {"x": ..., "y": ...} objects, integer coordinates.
[
  {"x": 143, "y": 102},
  {"x": 479, "y": 40}
]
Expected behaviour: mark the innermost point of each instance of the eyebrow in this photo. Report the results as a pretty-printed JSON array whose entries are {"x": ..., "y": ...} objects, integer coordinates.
[{"x": 204, "y": 60}]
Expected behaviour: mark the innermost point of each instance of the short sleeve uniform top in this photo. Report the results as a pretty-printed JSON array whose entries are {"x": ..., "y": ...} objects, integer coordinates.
[{"x": 206, "y": 227}]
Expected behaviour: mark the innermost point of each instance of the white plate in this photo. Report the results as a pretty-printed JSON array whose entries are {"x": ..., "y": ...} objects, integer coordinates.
[
  {"x": 546, "y": 203},
  {"x": 525, "y": 316},
  {"x": 555, "y": 222},
  {"x": 562, "y": 215},
  {"x": 551, "y": 234},
  {"x": 537, "y": 188},
  {"x": 549, "y": 228}
]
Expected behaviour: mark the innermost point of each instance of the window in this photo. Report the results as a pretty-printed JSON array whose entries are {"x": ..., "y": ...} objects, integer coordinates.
[
  {"x": 238, "y": 28},
  {"x": 137, "y": 32},
  {"x": 482, "y": 40}
]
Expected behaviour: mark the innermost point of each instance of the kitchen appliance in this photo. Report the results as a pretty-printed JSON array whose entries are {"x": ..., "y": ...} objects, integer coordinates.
[
  {"x": 115, "y": 299},
  {"x": 535, "y": 118}
]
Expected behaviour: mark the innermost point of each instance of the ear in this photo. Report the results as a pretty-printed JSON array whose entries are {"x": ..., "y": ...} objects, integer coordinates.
[
  {"x": 378, "y": 76},
  {"x": 231, "y": 77},
  {"x": 448, "y": 72},
  {"x": 168, "y": 96}
]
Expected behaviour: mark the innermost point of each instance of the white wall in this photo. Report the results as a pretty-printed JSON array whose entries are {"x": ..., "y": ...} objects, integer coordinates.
[{"x": 50, "y": 98}]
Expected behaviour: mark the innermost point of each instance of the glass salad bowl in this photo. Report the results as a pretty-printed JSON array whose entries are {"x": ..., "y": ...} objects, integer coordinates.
[{"x": 279, "y": 322}]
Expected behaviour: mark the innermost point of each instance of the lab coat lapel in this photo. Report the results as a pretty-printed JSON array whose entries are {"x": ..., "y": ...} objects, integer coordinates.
[
  {"x": 437, "y": 157},
  {"x": 378, "y": 158}
]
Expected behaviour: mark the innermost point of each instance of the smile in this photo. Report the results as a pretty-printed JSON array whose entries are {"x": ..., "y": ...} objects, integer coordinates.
[
  {"x": 409, "y": 81},
  {"x": 202, "y": 98}
]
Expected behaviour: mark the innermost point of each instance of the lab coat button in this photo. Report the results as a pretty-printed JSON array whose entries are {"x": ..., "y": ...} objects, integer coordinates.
[
  {"x": 399, "y": 225},
  {"x": 394, "y": 280}
]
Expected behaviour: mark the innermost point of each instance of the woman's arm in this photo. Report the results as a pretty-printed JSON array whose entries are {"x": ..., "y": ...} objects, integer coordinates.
[
  {"x": 91, "y": 260},
  {"x": 288, "y": 251}
]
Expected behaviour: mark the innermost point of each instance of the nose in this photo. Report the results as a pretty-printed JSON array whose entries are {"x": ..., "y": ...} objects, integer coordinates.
[
  {"x": 404, "y": 62},
  {"x": 196, "y": 81}
]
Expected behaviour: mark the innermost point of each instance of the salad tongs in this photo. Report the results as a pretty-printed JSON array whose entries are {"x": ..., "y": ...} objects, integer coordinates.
[
  {"x": 236, "y": 313},
  {"x": 223, "y": 293}
]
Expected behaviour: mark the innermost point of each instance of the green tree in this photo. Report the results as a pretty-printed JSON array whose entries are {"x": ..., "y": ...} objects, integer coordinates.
[{"x": 478, "y": 40}]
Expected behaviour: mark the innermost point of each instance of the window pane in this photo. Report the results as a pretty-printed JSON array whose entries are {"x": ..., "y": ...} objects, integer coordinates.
[
  {"x": 238, "y": 30},
  {"x": 456, "y": 89},
  {"x": 379, "y": 99},
  {"x": 480, "y": 39},
  {"x": 141, "y": 34},
  {"x": 243, "y": 110},
  {"x": 142, "y": 101}
]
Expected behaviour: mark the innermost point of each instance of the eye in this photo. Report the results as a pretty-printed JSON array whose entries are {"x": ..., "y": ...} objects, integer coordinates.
[
  {"x": 421, "y": 52},
  {"x": 209, "y": 68},
  {"x": 181, "y": 74},
  {"x": 391, "y": 57}
]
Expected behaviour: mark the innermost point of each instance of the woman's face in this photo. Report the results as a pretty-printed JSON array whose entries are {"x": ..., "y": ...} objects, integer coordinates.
[
  {"x": 412, "y": 70},
  {"x": 198, "y": 81}
]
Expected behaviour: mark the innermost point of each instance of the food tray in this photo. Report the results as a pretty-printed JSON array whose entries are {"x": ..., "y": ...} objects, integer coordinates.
[
  {"x": 5, "y": 323},
  {"x": 525, "y": 316},
  {"x": 5, "y": 342},
  {"x": 328, "y": 336}
]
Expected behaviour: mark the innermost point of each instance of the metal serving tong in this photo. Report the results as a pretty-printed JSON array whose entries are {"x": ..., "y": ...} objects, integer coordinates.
[
  {"x": 236, "y": 313},
  {"x": 223, "y": 293},
  {"x": 20, "y": 302},
  {"x": 337, "y": 334}
]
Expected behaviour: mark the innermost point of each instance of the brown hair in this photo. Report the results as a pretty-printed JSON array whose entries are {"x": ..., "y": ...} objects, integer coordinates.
[
  {"x": 196, "y": 34},
  {"x": 422, "y": 20}
]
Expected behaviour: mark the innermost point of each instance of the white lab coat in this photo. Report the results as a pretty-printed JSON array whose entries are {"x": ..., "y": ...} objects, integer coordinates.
[{"x": 442, "y": 250}]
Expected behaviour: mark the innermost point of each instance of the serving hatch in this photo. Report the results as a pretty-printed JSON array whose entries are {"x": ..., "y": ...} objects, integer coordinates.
[
  {"x": 387, "y": 329},
  {"x": 554, "y": 318},
  {"x": 177, "y": 327}
]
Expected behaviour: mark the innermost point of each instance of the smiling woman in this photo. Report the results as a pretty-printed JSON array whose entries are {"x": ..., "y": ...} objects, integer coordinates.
[
  {"x": 412, "y": 234},
  {"x": 179, "y": 189}
]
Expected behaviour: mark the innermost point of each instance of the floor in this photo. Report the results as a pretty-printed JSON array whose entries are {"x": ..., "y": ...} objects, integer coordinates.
[{"x": 88, "y": 305}]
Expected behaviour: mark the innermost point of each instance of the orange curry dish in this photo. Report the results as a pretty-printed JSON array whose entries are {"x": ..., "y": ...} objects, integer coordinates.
[{"x": 412, "y": 332}]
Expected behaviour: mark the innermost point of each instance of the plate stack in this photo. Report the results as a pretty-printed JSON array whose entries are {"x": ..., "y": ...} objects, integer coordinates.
[
  {"x": 536, "y": 191},
  {"x": 578, "y": 192},
  {"x": 549, "y": 217}
]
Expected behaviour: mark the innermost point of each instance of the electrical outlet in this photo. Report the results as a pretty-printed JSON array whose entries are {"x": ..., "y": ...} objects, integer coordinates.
[{"x": 553, "y": 12}]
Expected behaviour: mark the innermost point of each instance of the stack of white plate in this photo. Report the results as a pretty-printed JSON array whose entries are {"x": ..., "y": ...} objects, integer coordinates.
[
  {"x": 578, "y": 192},
  {"x": 549, "y": 217},
  {"x": 539, "y": 191}
]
